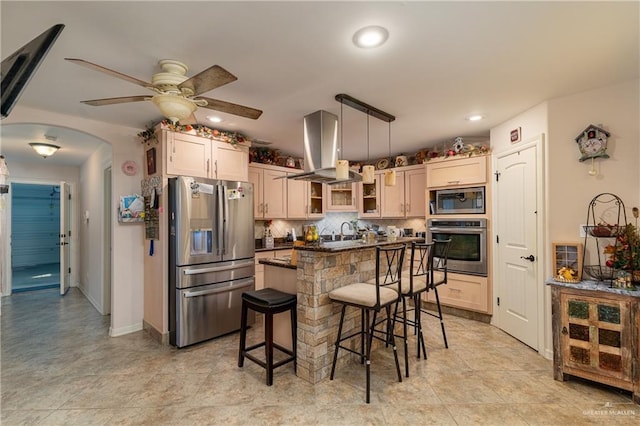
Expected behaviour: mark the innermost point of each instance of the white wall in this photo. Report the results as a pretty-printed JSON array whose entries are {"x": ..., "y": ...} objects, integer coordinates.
[
  {"x": 568, "y": 186},
  {"x": 127, "y": 246},
  {"x": 91, "y": 235}
]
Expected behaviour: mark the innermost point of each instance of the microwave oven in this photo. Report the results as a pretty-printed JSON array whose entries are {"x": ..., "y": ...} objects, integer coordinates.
[{"x": 460, "y": 201}]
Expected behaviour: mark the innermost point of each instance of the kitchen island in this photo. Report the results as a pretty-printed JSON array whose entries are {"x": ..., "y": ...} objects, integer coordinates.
[{"x": 320, "y": 269}]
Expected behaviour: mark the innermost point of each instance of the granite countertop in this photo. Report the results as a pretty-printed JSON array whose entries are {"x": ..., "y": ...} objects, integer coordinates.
[
  {"x": 595, "y": 286},
  {"x": 276, "y": 246},
  {"x": 281, "y": 262},
  {"x": 338, "y": 246}
]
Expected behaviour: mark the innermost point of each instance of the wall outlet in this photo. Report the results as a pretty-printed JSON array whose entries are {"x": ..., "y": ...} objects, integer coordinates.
[{"x": 581, "y": 231}]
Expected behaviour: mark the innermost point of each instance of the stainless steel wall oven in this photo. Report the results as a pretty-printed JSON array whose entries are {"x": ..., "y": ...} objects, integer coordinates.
[{"x": 468, "y": 251}]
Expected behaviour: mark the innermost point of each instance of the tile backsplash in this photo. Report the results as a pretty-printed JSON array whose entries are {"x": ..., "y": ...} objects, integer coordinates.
[{"x": 332, "y": 222}]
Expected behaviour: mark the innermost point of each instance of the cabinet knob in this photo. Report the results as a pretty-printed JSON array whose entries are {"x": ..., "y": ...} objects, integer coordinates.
[{"x": 564, "y": 331}]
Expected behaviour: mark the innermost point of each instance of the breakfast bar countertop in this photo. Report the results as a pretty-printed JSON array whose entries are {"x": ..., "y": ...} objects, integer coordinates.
[{"x": 348, "y": 245}]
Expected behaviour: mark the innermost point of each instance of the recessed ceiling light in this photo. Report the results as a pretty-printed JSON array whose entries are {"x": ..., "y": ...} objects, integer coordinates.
[
  {"x": 214, "y": 119},
  {"x": 372, "y": 36},
  {"x": 475, "y": 117}
]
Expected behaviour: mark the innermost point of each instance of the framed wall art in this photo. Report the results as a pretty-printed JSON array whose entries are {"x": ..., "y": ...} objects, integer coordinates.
[{"x": 151, "y": 161}]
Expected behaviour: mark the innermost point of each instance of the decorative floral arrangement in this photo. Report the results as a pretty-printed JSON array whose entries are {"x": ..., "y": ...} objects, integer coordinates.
[
  {"x": 148, "y": 136},
  {"x": 203, "y": 131},
  {"x": 264, "y": 155},
  {"x": 625, "y": 252}
]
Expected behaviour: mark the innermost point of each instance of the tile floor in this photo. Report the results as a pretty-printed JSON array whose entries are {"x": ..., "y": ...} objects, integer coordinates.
[{"x": 59, "y": 367}]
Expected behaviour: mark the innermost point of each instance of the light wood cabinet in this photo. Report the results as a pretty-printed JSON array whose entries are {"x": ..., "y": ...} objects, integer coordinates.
[
  {"x": 369, "y": 198},
  {"x": 230, "y": 162},
  {"x": 595, "y": 336},
  {"x": 305, "y": 200},
  {"x": 187, "y": 155},
  {"x": 407, "y": 197},
  {"x": 453, "y": 172},
  {"x": 269, "y": 192},
  {"x": 342, "y": 197},
  {"x": 196, "y": 156},
  {"x": 464, "y": 291}
]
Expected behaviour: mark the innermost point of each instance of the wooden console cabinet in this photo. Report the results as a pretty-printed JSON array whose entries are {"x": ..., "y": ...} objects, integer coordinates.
[{"x": 596, "y": 334}]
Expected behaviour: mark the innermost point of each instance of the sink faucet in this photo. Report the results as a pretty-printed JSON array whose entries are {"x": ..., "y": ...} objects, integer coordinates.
[{"x": 349, "y": 226}]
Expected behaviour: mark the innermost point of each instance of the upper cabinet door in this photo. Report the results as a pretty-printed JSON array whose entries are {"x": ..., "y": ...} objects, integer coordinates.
[
  {"x": 187, "y": 155},
  {"x": 393, "y": 201},
  {"x": 342, "y": 197},
  {"x": 457, "y": 171},
  {"x": 369, "y": 198},
  {"x": 275, "y": 195},
  {"x": 256, "y": 178},
  {"x": 414, "y": 193},
  {"x": 230, "y": 162}
]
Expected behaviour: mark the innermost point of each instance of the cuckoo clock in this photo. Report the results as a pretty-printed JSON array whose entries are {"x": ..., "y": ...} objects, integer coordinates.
[{"x": 592, "y": 143}]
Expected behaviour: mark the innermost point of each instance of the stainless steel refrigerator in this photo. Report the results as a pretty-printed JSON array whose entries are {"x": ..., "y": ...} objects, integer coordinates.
[{"x": 211, "y": 256}]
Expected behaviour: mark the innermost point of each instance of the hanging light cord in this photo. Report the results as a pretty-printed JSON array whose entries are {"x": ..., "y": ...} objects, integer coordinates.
[
  {"x": 341, "y": 127},
  {"x": 367, "y": 138},
  {"x": 389, "y": 141}
]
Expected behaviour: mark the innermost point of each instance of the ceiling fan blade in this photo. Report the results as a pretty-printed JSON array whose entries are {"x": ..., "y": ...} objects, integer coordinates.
[
  {"x": 112, "y": 101},
  {"x": 209, "y": 79},
  {"x": 228, "y": 107},
  {"x": 112, "y": 73}
]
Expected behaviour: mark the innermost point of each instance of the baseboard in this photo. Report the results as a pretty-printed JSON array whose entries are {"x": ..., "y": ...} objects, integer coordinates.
[
  {"x": 463, "y": 313},
  {"x": 90, "y": 299},
  {"x": 162, "y": 338},
  {"x": 121, "y": 331}
]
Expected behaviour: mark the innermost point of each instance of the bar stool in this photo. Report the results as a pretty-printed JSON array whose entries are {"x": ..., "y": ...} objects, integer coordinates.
[
  {"x": 371, "y": 299},
  {"x": 412, "y": 287},
  {"x": 439, "y": 257},
  {"x": 268, "y": 301}
]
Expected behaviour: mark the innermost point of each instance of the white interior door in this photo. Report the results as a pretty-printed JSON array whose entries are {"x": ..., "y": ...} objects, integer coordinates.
[
  {"x": 517, "y": 251},
  {"x": 65, "y": 237}
]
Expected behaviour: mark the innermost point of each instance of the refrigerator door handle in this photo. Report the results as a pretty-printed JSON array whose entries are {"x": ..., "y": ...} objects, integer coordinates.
[
  {"x": 218, "y": 268},
  {"x": 226, "y": 220},
  {"x": 221, "y": 220},
  {"x": 243, "y": 284}
]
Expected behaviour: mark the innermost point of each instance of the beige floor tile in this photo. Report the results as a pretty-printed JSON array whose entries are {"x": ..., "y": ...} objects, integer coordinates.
[{"x": 61, "y": 368}]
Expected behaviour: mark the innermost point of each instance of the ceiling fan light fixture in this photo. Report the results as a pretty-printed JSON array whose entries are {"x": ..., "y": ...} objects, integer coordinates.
[
  {"x": 44, "y": 149},
  {"x": 371, "y": 36},
  {"x": 175, "y": 108}
]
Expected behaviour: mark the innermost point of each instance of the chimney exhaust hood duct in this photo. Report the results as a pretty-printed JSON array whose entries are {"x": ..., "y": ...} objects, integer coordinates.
[
  {"x": 321, "y": 150},
  {"x": 321, "y": 142}
]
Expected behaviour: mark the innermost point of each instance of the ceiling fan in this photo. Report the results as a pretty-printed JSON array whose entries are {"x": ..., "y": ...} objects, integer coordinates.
[{"x": 177, "y": 96}]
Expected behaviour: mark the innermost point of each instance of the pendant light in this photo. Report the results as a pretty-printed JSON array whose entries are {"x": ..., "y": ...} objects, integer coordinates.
[
  {"x": 368, "y": 169},
  {"x": 390, "y": 175},
  {"x": 342, "y": 166}
]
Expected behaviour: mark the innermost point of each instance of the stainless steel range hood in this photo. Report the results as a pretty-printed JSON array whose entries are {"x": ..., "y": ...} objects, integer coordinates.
[{"x": 321, "y": 150}]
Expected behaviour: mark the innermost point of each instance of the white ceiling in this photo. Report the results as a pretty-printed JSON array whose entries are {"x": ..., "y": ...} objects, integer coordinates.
[{"x": 443, "y": 61}]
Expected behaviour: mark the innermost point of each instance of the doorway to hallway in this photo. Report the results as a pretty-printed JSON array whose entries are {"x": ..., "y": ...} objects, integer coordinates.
[{"x": 35, "y": 228}]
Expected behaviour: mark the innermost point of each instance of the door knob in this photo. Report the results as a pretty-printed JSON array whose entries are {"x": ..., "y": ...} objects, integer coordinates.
[{"x": 530, "y": 258}]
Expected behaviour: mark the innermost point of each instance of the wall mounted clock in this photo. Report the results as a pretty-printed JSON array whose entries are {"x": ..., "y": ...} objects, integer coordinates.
[{"x": 592, "y": 143}]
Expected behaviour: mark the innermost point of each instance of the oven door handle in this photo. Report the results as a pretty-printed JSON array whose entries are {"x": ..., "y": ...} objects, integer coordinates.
[
  {"x": 234, "y": 287},
  {"x": 459, "y": 230}
]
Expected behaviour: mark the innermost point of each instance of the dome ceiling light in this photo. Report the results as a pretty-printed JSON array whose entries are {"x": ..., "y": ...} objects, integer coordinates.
[{"x": 372, "y": 36}]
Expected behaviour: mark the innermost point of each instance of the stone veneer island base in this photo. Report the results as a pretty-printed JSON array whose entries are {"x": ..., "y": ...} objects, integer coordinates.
[{"x": 321, "y": 269}]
